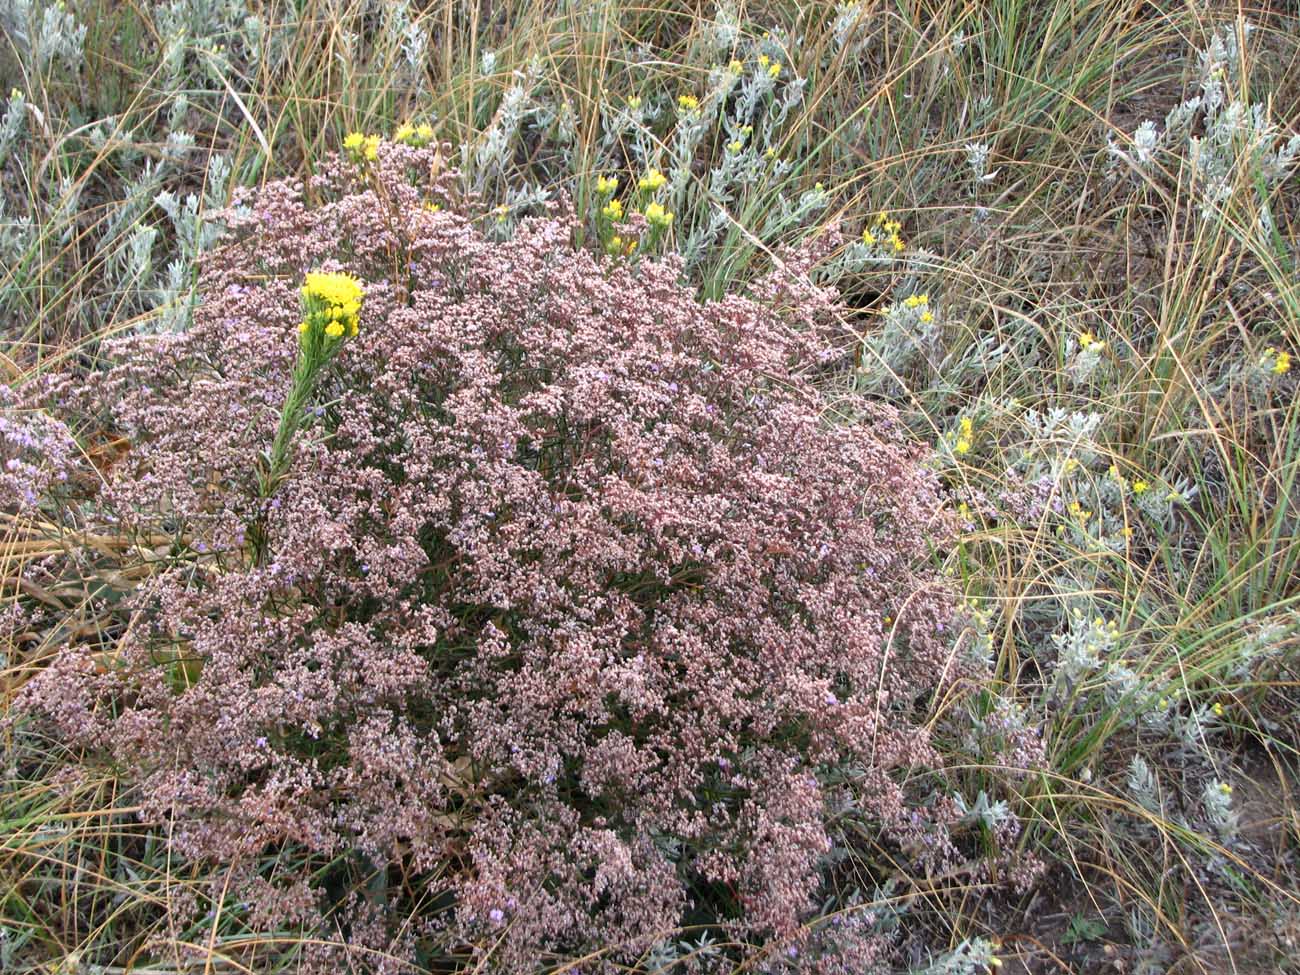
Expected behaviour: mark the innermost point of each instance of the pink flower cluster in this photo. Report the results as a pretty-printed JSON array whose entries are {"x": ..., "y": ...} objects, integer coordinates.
[{"x": 573, "y": 604}]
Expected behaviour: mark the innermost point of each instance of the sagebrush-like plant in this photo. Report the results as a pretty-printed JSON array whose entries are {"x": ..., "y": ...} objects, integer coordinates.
[{"x": 569, "y": 620}]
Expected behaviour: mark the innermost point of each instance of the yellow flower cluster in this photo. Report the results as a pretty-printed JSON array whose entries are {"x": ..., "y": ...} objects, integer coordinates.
[
  {"x": 883, "y": 233},
  {"x": 621, "y": 247},
  {"x": 361, "y": 148},
  {"x": 658, "y": 217},
  {"x": 922, "y": 302},
  {"x": 735, "y": 67},
  {"x": 652, "y": 180},
  {"x": 1277, "y": 362},
  {"x": 606, "y": 185},
  {"x": 688, "y": 103},
  {"x": 1090, "y": 343},
  {"x": 965, "y": 434},
  {"x": 417, "y": 136},
  {"x": 332, "y": 303},
  {"x": 613, "y": 210}
]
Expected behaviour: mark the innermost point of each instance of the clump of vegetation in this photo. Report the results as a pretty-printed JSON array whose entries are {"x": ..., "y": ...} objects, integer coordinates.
[{"x": 553, "y": 601}]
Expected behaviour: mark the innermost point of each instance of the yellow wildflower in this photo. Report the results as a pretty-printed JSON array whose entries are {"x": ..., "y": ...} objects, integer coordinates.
[
  {"x": 926, "y": 317},
  {"x": 424, "y": 132},
  {"x": 1217, "y": 709},
  {"x": 735, "y": 67},
  {"x": 916, "y": 301},
  {"x": 868, "y": 237},
  {"x": 657, "y": 216},
  {"x": 362, "y": 148},
  {"x": 652, "y": 180},
  {"x": 333, "y": 287},
  {"x": 606, "y": 185},
  {"x": 613, "y": 210},
  {"x": 774, "y": 70},
  {"x": 1225, "y": 788},
  {"x": 634, "y": 102},
  {"x": 405, "y": 132},
  {"x": 688, "y": 103},
  {"x": 1141, "y": 487},
  {"x": 333, "y": 303},
  {"x": 735, "y": 145},
  {"x": 769, "y": 153},
  {"x": 354, "y": 143}
]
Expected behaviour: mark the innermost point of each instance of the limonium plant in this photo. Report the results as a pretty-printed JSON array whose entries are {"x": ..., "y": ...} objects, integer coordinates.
[{"x": 579, "y": 631}]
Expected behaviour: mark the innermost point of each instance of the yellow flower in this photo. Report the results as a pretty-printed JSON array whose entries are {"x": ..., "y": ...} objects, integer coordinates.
[
  {"x": 868, "y": 237},
  {"x": 333, "y": 302},
  {"x": 333, "y": 288},
  {"x": 1225, "y": 788},
  {"x": 605, "y": 185},
  {"x": 896, "y": 242},
  {"x": 1282, "y": 363},
  {"x": 613, "y": 210},
  {"x": 1141, "y": 487},
  {"x": 774, "y": 70},
  {"x": 926, "y": 317},
  {"x": 735, "y": 67},
  {"x": 634, "y": 102},
  {"x": 763, "y": 60},
  {"x": 652, "y": 180},
  {"x": 354, "y": 143},
  {"x": 735, "y": 145},
  {"x": 769, "y": 153},
  {"x": 362, "y": 148},
  {"x": 916, "y": 301},
  {"x": 416, "y": 136},
  {"x": 657, "y": 216},
  {"x": 688, "y": 103},
  {"x": 963, "y": 445},
  {"x": 1217, "y": 709}
]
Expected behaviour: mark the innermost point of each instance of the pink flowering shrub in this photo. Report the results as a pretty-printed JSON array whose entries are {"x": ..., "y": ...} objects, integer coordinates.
[{"x": 572, "y": 611}]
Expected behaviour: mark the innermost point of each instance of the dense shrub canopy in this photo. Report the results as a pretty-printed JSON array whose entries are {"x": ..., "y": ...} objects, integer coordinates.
[{"x": 572, "y": 602}]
